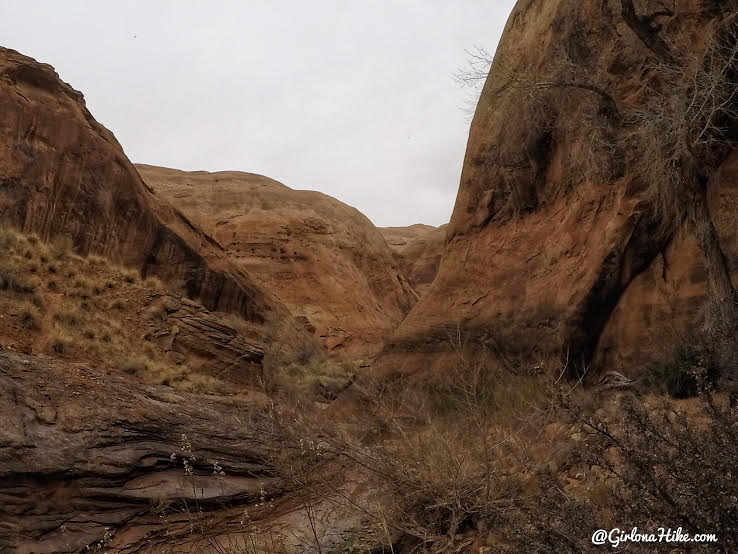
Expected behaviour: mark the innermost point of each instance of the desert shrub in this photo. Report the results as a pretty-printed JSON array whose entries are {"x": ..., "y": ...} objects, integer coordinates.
[
  {"x": 441, "y": 458},
  {"x": 491, "y": 392},
  {"x": 677, "y": 376},
  {"x": 321, "y": 378},
  {"x": 670, "y": 465}
]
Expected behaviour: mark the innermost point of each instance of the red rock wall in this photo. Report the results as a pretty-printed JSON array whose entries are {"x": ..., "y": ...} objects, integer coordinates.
[
  {"x": 63, "y": 174},
  {"x": 550, "y": 236},
  {"x": 323, "y": 259}
]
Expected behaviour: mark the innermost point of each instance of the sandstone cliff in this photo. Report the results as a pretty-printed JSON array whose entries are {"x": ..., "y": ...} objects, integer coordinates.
[
  {"x": 324, "y": 260},
  {"x": 552, "y": 254},
  {"x": 62, "y": 173},
  {"x": 417, "y": 250}
]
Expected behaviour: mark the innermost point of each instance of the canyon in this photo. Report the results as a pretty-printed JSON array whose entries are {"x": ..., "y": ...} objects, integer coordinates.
[{"x": 240, "y": 299}]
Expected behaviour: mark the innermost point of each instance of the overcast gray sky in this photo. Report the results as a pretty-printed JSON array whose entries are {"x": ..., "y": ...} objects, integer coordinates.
[{"x": 354, "y": 99}]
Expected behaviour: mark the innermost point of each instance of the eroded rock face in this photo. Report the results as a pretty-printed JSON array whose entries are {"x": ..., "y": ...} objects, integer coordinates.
[
  {"x": 190, "y": 333},
  {"x": 64, "y": 174},
  {"x": 91, "y": 458},
  {"x": 324, "y": 260},
  {"x": 417, "y": 250},
  {"x": 83, "y": 450},
  {"x": 551, "y": 253},
  {"x": 660, "y": 309}
]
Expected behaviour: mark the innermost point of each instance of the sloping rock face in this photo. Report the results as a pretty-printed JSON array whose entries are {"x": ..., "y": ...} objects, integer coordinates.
[
  {"x": 551, "y": 255},
  {"x": 85, "y": 454},
  {"x": 659, "y": 310},
  {"x": 64, "y": 174},
  {"x": 324, "y": 260},
  {"x": 95, "y": 461},
  {"x": 417, "y": 249}
]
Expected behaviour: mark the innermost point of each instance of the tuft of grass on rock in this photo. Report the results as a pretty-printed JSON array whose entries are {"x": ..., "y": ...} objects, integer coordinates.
[{"x": 29, "y": 316}]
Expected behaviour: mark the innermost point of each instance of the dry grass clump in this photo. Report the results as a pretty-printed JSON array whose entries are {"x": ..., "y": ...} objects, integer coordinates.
[
  {"x": 179, "y": 376},
  {"x": 30, "y": 316},
  {"x": 118, "y": 305},
  {"x": 130, "y": 276},
  {"x": 12, "y": 280},
  {"x": 323, "y": 379},
  {"x": 84, "y": 309},
  {"x": 97, "y": 261},
  {"x": 69, "y": 316},
  {"x": 154, "y": 283},
  {"x": 61, "y": 341},
  {"x": 20, "y": 283}
]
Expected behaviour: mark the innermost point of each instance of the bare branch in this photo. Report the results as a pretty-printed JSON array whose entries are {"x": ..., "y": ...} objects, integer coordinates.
[{"x": 644, "y": 28}]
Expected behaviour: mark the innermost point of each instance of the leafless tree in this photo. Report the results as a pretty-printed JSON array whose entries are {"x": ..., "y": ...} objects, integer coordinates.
[
  {"x": 473, "y": 75},
  {"x": 678, "y": 135}
]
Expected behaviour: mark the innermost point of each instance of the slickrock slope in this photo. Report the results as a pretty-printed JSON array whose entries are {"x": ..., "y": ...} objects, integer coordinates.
[
  {"x": 324, "y": 260},
  {"x": 62, "y": 173},
  {"x": 417, "y": 250},
  {"x": 91, "y": 459},
  {"x": 81, "y": 450},
  {"x": 551, "y": 253}
]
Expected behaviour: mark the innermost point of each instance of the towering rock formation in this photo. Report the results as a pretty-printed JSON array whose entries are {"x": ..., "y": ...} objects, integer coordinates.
[
  {"x": 64, "y": 174},
  {"x": 417, "y": 249},
  {"x": 323, "y": 259},
  {"x": 552, "y": 253}
]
